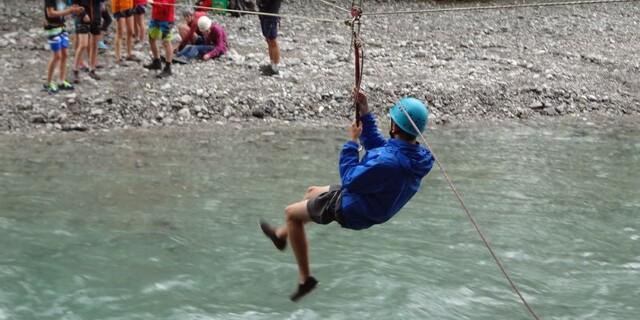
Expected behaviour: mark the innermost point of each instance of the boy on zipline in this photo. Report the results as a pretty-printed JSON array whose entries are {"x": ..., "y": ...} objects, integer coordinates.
[{"x": 373, "y": 189}]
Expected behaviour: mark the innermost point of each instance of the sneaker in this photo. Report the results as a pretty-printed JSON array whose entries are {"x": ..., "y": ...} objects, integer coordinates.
[
  {"x": 51, "y": 88},
  {"x": 154, "y": 65},
  {"x": 94, "y": 75},
  {"x": 76, "y": 76},
  {"x": 102, "y": 45},
  {"x": 304, "y": 288},
  {"x": 269, "y": 70},
  {"x": 270, "y": 232},
  {"x": 65, "y": 86}
]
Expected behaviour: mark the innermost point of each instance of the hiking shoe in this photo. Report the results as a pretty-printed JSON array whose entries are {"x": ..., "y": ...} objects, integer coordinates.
[
  {"x": 154, "y": 65},
  {"x": 270, "y": 232},
  {"x": 51, "y": 88},
  {"x": 65, "y": 86},
  {"x": 166, "y": 72},
  {"x": 102, "y": 45},
  {"x": 304, "y": 288},
  {"x": 94, "y": 75},
  {"x": 269, "y": 70},
  {"x": 76, "y": 76}
]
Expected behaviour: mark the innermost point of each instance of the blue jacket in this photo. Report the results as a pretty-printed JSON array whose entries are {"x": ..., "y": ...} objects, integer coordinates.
[{"x": 377, "y": 187}]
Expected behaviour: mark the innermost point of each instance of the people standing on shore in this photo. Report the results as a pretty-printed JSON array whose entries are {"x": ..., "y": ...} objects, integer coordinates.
[
  {"x": 106, "y": 22},
  {"x": 373, "y": 188},
  {"x": 213, "y": 44},
  {"x": 55, "y": 12},
  {"x": 88, "y": 30},
  {"x": 162, "y": 20},
  {"x": 123, "y": 13},
  {"x": 269, "y": 26},
  {"x": 139, "y": 10}
]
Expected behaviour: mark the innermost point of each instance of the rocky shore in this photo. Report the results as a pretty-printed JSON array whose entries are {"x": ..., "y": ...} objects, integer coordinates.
[{"x": 528, "y": 63}]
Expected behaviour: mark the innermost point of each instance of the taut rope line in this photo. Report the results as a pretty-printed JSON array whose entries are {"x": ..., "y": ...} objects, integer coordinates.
[
  {"x": 507, "y": 6},
  {"x": 472, "y": 219}
]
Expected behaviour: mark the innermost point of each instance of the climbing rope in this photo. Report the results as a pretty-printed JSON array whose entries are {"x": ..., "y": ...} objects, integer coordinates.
[
  {"x": 358, "y": 51},
  {"x": 471, "y": 218},
  {"x": 498, "y": 7}
]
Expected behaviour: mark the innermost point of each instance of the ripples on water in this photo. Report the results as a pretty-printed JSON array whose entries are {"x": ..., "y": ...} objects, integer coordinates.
[{"x": 163, "y": 226}]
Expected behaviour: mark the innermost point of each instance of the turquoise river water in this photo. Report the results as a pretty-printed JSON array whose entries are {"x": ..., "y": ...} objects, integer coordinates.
[{"x": 163, "y": 225}]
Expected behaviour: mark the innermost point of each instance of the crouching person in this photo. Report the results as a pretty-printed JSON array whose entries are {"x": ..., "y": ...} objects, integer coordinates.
[{"x": 213, "y": 44}]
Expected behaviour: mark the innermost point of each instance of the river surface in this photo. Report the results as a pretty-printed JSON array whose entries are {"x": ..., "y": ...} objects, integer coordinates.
[{"x": 163, "y": 225}]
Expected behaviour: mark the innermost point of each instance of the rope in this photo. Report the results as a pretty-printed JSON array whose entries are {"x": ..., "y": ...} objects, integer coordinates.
[
  {"x": 358, "y": 50},
  {"x": 508, "y": 6},
  {"x": 472, "y": 219},
  {"x": 334, "y": 5},
  {"x": 257, "y": 13}
]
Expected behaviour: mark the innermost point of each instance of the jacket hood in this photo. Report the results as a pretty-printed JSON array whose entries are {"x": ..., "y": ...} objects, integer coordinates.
[{"x": 413, "y": 157}]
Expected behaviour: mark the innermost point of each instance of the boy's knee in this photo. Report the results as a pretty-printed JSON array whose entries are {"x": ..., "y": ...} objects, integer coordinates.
[
  {"x": 290, "y": 214},
  {"x": 310, "y": 191}
]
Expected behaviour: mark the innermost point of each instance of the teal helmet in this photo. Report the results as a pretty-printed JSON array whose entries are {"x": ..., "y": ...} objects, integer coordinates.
[{"x": 415, "y": 109}]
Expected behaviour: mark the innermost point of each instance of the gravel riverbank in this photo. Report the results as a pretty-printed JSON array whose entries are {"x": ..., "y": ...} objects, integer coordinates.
[{"x": 526, "y": 63}]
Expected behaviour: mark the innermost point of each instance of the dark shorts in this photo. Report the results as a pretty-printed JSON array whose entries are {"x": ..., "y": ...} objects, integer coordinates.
[
  {"x": 269, "y": 26},
  {"x": 84, "y": 28},
  {"x": 139, "y": 9},
  {"x": 123, "y": 14},
  {"x": 326, "y": 207}
]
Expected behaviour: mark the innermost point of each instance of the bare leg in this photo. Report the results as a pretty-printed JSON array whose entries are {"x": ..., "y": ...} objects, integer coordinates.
[
  {"x": 63, "y": 65},
  {"x": 139, "y": 22},
  {"x": 154, "y": 48},
  {"x": 55, "y": 59},
  {"x": 120, "y": 26},
  {"x": 93, "y": 51},
  {"x": 311, "y": 193},
  {"x": 129, "y": 26},
  {"x": 274, "y": 51},
  {"x": 296, "y": 216},
  {"x": 168, "y": 51},
  {"x": 82, "y": 44}
]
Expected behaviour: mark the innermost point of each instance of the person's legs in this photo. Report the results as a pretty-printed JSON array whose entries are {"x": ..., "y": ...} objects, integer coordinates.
[
  {"x": 130, "y": 32},
  {"x": 82, "y": 44},
  {"x": 93, "y": 46},
  {"x": 139, "y": 22},
  {"x": 274, "y": 51},
  {"x": 63, "y": 58},
  {"x": 189, "y": 52},
  {"x": 120, "y": 29},
  {"x": 296, "y": 216},
  {"x": 53, "y": 63}
]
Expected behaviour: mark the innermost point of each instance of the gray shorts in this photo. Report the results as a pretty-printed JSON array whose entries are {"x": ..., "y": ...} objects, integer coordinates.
[{"x": 327, "y": 206}]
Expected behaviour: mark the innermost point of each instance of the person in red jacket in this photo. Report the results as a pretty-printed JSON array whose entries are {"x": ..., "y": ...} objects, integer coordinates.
[{"x": 162, "y": 19}]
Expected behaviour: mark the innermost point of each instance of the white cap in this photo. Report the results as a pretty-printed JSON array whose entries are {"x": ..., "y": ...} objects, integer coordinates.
[{"x": 204, "y": 24}]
